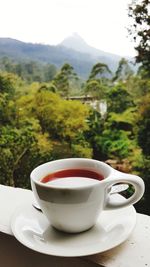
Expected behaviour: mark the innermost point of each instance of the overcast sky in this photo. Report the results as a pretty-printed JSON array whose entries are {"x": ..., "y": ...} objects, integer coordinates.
[{"x": 102, "y": 23}]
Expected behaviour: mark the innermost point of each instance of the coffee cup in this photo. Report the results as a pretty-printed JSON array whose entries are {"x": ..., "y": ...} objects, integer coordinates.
[{"x": 73, "y": 192}]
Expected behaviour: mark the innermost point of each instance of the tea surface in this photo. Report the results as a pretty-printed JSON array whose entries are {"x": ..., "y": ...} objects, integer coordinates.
[{"x": 72, "y": 173}]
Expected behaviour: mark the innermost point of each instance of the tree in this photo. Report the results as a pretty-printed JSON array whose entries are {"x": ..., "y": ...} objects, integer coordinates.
[
  {"x": 63, "y": 119},
  {"x": 119, "y": 99},
  {"x": 7, "y": 84},
  {"x": 143, "y": 137},
  {"x": 115, "y": 143},
  {"x": 14, "y": 144},
  {"x": 123, "y": 71},
  {"x": 95, "y": 89},
  {"x": 29, "y": 70},
  {"x": 97, "y": 83},
  {"x": 7, "y": 109},
  {"x": 99, "y": 70},
  {"x": 137, "y": 87},
  {"x": 21, "y": 149},
  {"x": 144, "y": 124},
  {"x": 139, "y": 11},
  {"x": 49, "y": 72},
  {"x": 20, "y": 135},
  {"x": 108, "y": 139},
  {"x": 6, "y": 64},
  {"x": 48, "y": 86},
  {"x": 94, "y": 133},
  {"x": 8, "y": 87},
  {"x": 63, "y": 78}
]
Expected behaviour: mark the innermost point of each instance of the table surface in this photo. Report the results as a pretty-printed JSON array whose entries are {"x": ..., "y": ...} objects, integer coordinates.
[{"x": 133, "y": 252}]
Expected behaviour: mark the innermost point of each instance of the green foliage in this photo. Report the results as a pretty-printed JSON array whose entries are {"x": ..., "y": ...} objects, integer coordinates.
[
  {"x": 48, "y": 86},
  {"x": 127, "y": 117},
  {"x": 8, "y": 90},
  {"x": 59, "y": 117},
  {"x": 140, "y": 13},
  {"x": 144, "y": 124},
  {"x": 30, "y": 70},
  {"x": 39, "y": 152},
  {"x": 119, "y": 99},
  {"x": 19, "y": 147},
  {"x": 49, "y": 72},
  {"x": 123, "y": 71},
  {"x": 94, "y": 133},
  {"x": 81, "y": 151},
  {"x": 63, "y": 79},
  {"x": 14, "y": 144},
  {"x": 96, "y": 89},
  {"x": 98, "y": 83},
  {"x": 42, "y": 118},
  {"x": 115, "y": 143},
  {"x": 7, "y": 84},
  {"x": 137, "y": 87},
  {"x": 143, "y": 169},
  {"x": 112, "y": 138},
  {"x": 99, "y": 70}
]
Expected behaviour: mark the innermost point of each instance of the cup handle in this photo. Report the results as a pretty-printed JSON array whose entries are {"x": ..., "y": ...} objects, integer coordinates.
[{"x": 130, "y": 179}]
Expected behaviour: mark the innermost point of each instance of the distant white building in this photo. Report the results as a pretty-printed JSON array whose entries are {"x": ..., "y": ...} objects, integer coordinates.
[{"x": 99, "y": 105}]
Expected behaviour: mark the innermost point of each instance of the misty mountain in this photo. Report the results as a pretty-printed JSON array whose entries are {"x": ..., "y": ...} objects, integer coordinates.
[
  {"x": 73, "y": 50},
  {"x": 76, "y": 42}
]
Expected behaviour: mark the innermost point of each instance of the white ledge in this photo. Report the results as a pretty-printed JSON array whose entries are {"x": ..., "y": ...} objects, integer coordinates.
[{"x": 134, "y": 252}]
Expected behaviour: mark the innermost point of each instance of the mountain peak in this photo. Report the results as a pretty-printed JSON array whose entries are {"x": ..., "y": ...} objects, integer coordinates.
[
  {"x": 77, "y": 36},
  {"x": 76, "y": 42}
]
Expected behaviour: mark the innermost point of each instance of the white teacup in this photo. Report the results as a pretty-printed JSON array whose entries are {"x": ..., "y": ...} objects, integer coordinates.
[{"x": 73, "y": 204}]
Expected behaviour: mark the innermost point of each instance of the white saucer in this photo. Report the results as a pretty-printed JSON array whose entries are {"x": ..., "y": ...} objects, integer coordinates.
[{"x": 31, "y": 228}]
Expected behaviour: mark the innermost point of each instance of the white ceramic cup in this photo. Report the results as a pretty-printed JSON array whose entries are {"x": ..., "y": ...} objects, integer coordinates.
[{"x": 73, "y": 205}]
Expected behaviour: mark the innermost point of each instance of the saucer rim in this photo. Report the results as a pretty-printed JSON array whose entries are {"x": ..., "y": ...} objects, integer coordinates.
[{"x": 20, "y": 209}]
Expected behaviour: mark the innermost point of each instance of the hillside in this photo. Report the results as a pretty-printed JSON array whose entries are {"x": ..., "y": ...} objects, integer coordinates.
[{"x": 73, "y": 50}]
